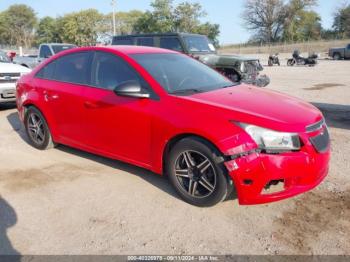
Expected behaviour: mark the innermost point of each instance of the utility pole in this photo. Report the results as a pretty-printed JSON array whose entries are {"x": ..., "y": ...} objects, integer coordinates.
[{"x": 113, "y": 3}]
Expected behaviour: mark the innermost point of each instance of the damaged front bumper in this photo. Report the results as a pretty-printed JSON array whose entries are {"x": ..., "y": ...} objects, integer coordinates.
[
  {"x": 254, "y": 173},
  {"x": 260, "y": 81}
]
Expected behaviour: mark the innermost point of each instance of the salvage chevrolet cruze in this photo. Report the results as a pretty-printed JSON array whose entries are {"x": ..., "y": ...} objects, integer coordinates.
[{"x": 169, "y": 113}]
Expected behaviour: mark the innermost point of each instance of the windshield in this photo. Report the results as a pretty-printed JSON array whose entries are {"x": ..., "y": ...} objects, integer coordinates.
[
  {"x": 60, "y": 48},
  {"x": 180, "y": 74},
  {"x": 4, "y": 58},
  {"x": 199, "y": 44}
]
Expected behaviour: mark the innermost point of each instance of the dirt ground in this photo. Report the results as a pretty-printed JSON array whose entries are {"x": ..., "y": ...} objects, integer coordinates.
[{"x": 65, "y": 201}]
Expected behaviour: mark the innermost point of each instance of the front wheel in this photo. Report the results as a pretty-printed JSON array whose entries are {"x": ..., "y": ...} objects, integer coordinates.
[
  {"x": 37, "y": 129},
  {"x": 290, "y": 62},
  {"x": 197, "y": 173}
]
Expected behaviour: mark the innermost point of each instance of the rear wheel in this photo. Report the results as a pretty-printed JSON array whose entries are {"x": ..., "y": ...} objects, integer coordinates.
[
  {"x": 37, "y": 129},
  {"x": 197, "y": 173},
  {"x": 336, "y": 56},
  {"x": 270, "y": 63}
]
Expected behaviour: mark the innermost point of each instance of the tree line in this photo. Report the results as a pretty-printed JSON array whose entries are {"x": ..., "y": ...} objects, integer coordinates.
[
  {"x": 20, "y": 26},
  {"x": 268, "y": 21},
  {"x": 292, "y": 21}
]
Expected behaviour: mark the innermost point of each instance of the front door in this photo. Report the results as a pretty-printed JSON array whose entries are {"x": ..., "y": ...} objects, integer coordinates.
[{"x": 117, "y": 126}]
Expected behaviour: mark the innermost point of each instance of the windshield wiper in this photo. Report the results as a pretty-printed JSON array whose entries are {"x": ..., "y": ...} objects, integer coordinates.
[
  {"x": 230, "y": 85},
  {"x": 185, "y": 91}
]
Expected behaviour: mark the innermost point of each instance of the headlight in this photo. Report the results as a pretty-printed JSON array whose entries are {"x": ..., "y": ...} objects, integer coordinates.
[
  {"x": 243, "y": 68},
  {"x": 270, "y": 140}
]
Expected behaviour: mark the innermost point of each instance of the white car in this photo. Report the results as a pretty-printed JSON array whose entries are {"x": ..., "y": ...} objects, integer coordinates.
[{"x": 9, "y": 74}]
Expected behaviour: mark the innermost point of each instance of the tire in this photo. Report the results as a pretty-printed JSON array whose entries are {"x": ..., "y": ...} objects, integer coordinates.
[
  {"x": 37, "y": 130},
  {"x": 270, "y": 63},
  {"x": 196, "y": 171},
  {"x": 336, "y": 56},
  {"x": 290, "y": 62}
]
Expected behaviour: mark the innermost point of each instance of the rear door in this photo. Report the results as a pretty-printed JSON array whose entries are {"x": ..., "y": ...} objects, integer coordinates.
[{"x": 62, "y": 83}]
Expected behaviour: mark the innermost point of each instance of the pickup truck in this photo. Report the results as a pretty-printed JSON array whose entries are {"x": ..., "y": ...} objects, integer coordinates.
[
  {"x": 237, "y": 68},
  {"x": 45, "y": 51},
  {"x": 340, "y": 53}
]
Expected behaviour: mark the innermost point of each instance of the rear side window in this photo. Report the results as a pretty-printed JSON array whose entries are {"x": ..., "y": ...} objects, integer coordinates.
[
  {"x": 45, "y": 51},
  {"x": 172, "y": 43},
  {"x": 145, "y": 41},
  {"x": 122, "y": 41},
  {"x": 109, "y": 71},
  {"x": 47, "y": 71},
  {"x": 74, "y": 68}
]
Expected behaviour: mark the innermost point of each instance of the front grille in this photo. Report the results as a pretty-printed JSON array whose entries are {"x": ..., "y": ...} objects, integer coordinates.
[
  {"x": 12, "y": 80},
  {"x": 321, "y": 141},
  {"x": 9, "y": 77},
  {"x": 10, "y": 74}
]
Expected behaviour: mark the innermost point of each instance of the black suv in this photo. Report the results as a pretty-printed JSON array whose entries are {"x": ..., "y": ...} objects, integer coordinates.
[{"x": 237, "y": 68}]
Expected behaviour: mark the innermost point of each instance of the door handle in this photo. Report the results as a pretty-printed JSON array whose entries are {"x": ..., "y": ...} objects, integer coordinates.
[{"x": 91, "y": 105}]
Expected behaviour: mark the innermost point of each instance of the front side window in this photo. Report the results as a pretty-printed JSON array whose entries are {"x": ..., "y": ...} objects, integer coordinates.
[
  {"x": 199, "y": 44},
  {"x": 180, "y": 74},
  {"x": 74, "y": 68},
  {"x": 45, "y": 52},
  {"x": 145, "y": 41},
  {"x": 172, "y": 43},
  {"x": 109, "y": 71}
]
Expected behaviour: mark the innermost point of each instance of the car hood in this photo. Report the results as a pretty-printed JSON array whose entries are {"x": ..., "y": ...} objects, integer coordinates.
[
  {"x": 13, "y": 68},
  {"x": 223, "y": 60},
  {"x": 266, "y": 108}
]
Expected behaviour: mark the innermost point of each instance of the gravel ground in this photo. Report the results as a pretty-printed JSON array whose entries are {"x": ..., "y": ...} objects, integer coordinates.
[{"x": 64, "y": 201}]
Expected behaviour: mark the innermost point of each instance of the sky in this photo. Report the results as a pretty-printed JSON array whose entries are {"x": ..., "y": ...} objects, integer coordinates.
[{"x": 227, "y": 13}]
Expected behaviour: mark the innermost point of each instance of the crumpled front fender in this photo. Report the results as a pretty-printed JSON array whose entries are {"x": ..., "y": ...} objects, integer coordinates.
[{"x": 260, "y": 81}]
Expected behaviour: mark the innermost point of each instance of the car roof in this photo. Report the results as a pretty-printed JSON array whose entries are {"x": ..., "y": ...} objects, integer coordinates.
[
  {"x": 124, "y": 49},
  {"x": 56, "y": 44},
  {"x": 132, "y": 49},
  {"x": 157, "y": 34}
]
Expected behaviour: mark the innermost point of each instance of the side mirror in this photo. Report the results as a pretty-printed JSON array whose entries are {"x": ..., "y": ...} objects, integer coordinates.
[{"x": 131, "y": 89}]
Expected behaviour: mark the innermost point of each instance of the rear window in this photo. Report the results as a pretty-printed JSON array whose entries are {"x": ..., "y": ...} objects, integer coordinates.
[
  {"x": 60, "y": 48},
  {"x": 172, "y": 43}
]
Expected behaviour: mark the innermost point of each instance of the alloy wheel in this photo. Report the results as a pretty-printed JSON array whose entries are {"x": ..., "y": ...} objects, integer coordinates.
[
  {"x": 196, "y": 174},
  {"x": 36, "y": 129}
]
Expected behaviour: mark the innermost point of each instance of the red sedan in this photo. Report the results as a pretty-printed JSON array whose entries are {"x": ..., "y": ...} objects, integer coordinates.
[{"x": 169, "y": 113}]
